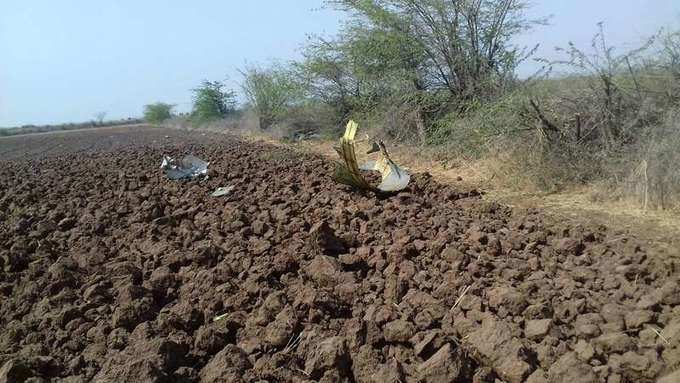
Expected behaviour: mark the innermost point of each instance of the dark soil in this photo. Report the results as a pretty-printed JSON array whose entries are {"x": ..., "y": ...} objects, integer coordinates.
[{"x": 110, "y": 272}]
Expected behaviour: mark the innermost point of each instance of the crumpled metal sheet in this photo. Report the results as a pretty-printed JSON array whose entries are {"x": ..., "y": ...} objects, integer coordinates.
[
  {"x": 394, "y": 178},
  {"x": 189, "y": 167},
  {"x": 222, "y": 191}
]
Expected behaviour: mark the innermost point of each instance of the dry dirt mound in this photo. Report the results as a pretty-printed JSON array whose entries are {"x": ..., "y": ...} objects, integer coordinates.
[{"x": 110, "y": 272}]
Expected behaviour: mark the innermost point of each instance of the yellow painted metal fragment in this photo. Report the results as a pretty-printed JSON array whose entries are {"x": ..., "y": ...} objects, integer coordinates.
[{"x": 348, "y": 172}]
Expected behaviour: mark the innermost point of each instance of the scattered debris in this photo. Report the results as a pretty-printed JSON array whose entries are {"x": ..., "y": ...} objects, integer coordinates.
[
  {"x": 658, "y": 333},
  {"x": 223, "y": 190},
  {"x": 460, "y": 298},
  {"x": 394, "y": 178},
  {"x": 302, "y": 136},
  {"x": 293, "y": 343},
  {"x": 189, "y": 167}
]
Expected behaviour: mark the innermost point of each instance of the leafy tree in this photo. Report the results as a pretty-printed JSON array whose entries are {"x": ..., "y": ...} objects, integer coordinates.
[
  {"x": 360, "y": 68},
  {"x": 271, "y": 92},
  {"x": 328, "y": 75},
  {"x": 415, "y": 61},
  {"x": 212, "y": 101},
  {"x": 463, "y": 46},
  {"x": 158, "y": 112}
]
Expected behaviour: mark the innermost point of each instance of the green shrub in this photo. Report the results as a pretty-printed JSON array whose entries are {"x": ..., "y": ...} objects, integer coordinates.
[
  {"x": 271, "y": 92},
  {"x": 212, "y": 102},
  {"x": 475, "y": 124},
  {"x": 158, "y": 112}
]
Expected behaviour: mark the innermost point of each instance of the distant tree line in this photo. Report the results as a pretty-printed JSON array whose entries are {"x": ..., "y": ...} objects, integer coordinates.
[{"x": 28, "y": 129}]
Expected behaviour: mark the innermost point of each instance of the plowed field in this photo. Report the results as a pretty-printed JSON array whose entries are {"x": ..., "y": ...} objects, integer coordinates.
[{"x": 110, "y": 272}]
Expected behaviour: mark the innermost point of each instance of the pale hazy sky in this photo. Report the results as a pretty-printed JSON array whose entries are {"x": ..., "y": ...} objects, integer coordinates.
[{"x": 65, "y": 60}]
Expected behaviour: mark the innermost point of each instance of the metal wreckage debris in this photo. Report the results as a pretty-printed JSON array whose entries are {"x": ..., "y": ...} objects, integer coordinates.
[
  {"x": 348, "y": 172},
  {"x": 223, "y": 190},
  {"x": 189, "y": 167}
]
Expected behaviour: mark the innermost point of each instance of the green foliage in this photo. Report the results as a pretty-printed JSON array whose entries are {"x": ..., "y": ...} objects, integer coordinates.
[
  {"x": 475, "y": 124},
  {"x": 212, "y": 101},
  {"x": 361, "y": 69},
  {"x": 271, "y": 92},
  {"x": 462, "y": 46},
  {"x": 409, "y": 63},
  {"x": 158, "y": 112}
]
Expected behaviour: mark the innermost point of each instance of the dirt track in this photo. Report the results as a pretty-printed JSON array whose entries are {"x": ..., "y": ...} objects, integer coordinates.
[{"x": 110, "y": 272}]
